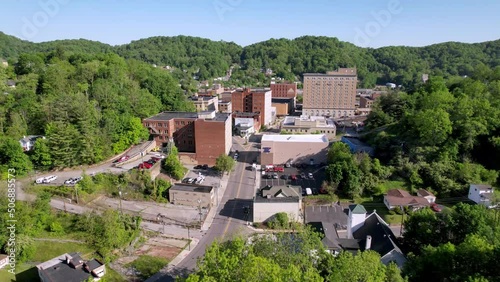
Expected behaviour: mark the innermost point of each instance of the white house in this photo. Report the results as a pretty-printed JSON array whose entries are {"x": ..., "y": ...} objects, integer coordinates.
[
  {"x": 271, "y": 200},
  {"x": 427, "y": 195},
  {"x": 481, "y": 194},
  {"x": 29, "y": 141},
  {"x": 4, "y": 260}
]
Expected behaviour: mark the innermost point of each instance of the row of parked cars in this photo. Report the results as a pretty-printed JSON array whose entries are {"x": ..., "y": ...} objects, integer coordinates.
[
  {"x": 197, "y": 180},
  {"x": 46, "y": 179},
  {"x": 149, "y": 163},
  {"x": 73, "y": 180}
]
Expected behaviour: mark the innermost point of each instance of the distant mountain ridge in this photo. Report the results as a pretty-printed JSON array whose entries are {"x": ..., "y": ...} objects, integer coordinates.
[{"x": 288, "y": 58}]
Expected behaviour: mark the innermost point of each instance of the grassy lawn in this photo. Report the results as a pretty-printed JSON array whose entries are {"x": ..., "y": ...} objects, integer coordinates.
[
  {"x": 49, "y": 249},
  {"x": 24, "y": 272},
  {"x": 113, "y": 276}
]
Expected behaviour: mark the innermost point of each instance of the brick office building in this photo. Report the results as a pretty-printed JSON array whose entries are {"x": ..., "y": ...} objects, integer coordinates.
[
  {"x": 254, "y": 101},
  {"x": 199, "y": 137},
  {"x": 284, "y": 90}
]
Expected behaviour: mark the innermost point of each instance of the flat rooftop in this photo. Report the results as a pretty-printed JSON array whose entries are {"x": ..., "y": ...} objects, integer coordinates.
[
  {"x": 311, "y": 138},
  {"x": 290, "y": 120},
  {"x": 164, "y": 116},
  {"x": 191, "y": 188}
]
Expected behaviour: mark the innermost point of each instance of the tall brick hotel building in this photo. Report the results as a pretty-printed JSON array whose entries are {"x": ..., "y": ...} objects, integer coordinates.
[{"x": 200, "y": 137}]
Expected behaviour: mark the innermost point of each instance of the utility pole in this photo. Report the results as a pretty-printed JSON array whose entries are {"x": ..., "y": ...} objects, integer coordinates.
[
  {"x": 120, "y": 194},
  {"x": 189, "y": 238},
  {"x": 76, "y": 194},
  {"x": 402, "y": 220}
]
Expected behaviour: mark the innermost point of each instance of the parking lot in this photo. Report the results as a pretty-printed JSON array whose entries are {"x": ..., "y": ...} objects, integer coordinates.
[
  {"x": 285, "y": 178},
  {"x": 211, "y": 176}
]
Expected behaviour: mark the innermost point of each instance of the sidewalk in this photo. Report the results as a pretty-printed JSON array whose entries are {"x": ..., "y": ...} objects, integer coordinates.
[{"x": 213, "y": 211}]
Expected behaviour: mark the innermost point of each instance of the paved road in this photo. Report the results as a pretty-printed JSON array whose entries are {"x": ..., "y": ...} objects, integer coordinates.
[{"x": 230, "y": 218}]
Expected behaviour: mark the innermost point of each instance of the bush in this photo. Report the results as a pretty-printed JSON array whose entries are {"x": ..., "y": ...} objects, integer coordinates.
[
  {"x": 280, "y": 221},
  {"x": 148, "y": 265},
  {"x": 398, "y": 210}
]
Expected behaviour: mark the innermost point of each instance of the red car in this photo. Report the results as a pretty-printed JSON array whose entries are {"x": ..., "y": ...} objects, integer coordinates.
[
  {"x": 435, "y": 207},
  {"x": 279, "y": 169},
  {"x": 145, "y": 165},
  {"x": 293, "y": 177},
  {"x": 122, "y": 159}
]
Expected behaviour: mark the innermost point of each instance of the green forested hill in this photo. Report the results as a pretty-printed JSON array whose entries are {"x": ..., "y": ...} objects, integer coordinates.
[{"x": 287, "y": 58}]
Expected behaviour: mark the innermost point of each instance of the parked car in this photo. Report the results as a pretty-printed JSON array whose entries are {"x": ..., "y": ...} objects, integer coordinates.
[
  {"x": 205, "y": 166},
  {"x": 303, "y": 176},
  {"x": 49, "y": 179},
  {"x": 288, "y": 164},
  {"x": 186, "y": 180},
  {"x": 310, "y": 175},
  {"x": 145, "y": 165},
  {"x": 122, "y": 159},
  {"x": 293, "y": 177},
  {"x": 160, "y": 156},
  {"x": 39, "y": 180},
  {"x": 198, "y": 167},
  {"x": 435, "y": 207},
  {"x": 284, "y": 176},
  {"x": 279, "y": 169},
  {"x": 70, "y": 181},
  {"x": 309, "y": 191},
  {"x": 275, "y": 176}
]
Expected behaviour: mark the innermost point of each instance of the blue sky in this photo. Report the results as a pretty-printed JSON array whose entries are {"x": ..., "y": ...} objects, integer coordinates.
[{"x": 367, "y": 23}]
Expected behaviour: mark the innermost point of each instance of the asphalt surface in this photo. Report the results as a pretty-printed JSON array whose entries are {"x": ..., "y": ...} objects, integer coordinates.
[{"x": 230, "y": 218}]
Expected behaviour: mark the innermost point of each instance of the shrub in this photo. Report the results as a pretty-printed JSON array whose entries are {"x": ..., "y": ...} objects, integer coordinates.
[{"x": 148, "y": 265}]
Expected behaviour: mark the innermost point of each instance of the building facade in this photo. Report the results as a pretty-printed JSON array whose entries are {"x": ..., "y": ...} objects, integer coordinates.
[
  {"x": 193, "y": 195},
  {"x": 309, "y": 125},
  {"x": 284, "y": 90},
  {"x": 280, "y": 149},
  {"x": 331, "y": 94},
  {"x": 225, "y": 107},
  {"x": 205, "y": 103},
  {"x": 202, "y": 137},
  {"x": 254, "y": 101},
  {"x": 284, "y": 106}
]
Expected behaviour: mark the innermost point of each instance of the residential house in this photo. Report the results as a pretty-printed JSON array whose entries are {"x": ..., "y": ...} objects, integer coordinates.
[
  {"x": 371, "y": 232},
  {"x": 4, "y": 260},
  {"x": 357, "y": 146},
  {"x": 330, "y": 238},
  {"x": 271, "y": 200},
  {"x": 192, "y": 195},
  {"x": 427, "y": 195},
  {"x": 401, "y": 198},
  {"x": 482, "y": 194},
  {"x": 28, "y": 142},
  {"x": 70, "y": 268}
]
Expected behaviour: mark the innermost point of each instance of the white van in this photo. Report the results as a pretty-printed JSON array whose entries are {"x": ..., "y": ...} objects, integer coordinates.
[
  {"x": 40, "y": 180},
  {"x": 309, "y": 192},
  {"x": 49, "y": 179}
]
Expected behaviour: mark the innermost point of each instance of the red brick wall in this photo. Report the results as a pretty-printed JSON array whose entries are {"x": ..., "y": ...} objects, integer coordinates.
[
  {"x": 210, "y": 141},
  {"x": 280, "y": 90}
]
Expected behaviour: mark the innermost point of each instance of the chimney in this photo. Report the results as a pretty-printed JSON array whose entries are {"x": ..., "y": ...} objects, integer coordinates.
[
  {"x": 67, "y": 260},
  {"x": 368, "y": 244}
]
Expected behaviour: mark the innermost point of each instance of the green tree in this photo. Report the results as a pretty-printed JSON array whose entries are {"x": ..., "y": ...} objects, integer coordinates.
[
  {"x": 224, "y": 163},
  {"x": 41, "y": 156},
  {"x": 13, "y": 157},
  {"x": 173, "y": 165}
]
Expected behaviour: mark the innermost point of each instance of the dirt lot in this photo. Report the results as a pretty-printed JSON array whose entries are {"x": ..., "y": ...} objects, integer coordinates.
[{"x": 166, "y": 248}]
